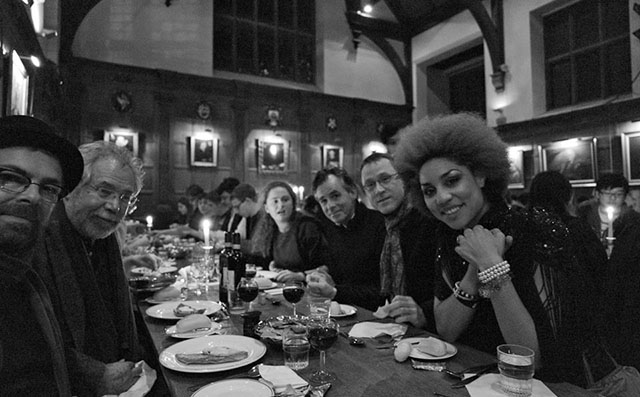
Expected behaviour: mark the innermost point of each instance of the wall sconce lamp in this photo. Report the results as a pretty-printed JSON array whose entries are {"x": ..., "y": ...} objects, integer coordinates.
[
  {"x": 498, "y": 78},
  {"x": 500, "y": 117}
]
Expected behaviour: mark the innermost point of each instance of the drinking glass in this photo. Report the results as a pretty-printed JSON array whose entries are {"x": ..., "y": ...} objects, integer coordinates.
[
  {"x": 516, "y": 365},
  {"x": 247, "y": 291},
  {"x": 250, "y": 270},
  {"x": 295, "y": 346},
  {"x": 293, "y": 292},
  {"x": 322, "y": 335}
]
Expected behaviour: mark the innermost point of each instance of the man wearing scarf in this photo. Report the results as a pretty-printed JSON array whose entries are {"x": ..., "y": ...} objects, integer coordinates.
[
  {"x": 82, "y": 267},
  {"x": 408, "y": 253},
  {"x": 37, "y": 168}
]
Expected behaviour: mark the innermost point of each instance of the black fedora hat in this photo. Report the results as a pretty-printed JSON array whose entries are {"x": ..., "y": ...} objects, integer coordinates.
[{"x": 25, "y": 131}]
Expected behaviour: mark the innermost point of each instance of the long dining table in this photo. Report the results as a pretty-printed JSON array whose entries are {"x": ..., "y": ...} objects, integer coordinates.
[{"x": 360, "y": 371}]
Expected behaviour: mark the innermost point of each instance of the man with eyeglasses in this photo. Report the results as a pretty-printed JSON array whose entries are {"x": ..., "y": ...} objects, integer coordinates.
[
  {"x": 37, "y": 168},
  {"x": 82, "y": 267},
  {"x": 406, "y": 261},
  {"x": 609, "y": 201},
  {"x": 619, "y": 310}
]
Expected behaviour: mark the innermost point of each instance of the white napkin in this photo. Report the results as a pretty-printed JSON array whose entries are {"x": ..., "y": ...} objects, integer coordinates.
[
  {"x": 371, "y": 330},
  {"x": 488, "y": 385},
  {"x": 280, "y": 376},
  {"x": 143, "y": 385},
  {"x": 274, "y": 291}
]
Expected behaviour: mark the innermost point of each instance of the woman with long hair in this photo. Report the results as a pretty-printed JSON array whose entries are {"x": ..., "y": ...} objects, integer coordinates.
[
  {"x": 499, "y": 268},
  {"x": 293, "y": 242}
]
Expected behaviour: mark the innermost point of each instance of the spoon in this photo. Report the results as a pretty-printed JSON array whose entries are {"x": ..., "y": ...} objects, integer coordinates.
[{"x": 353, "y": 341}]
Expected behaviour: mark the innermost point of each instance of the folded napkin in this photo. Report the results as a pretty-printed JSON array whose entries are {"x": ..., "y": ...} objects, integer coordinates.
[
  {"x": 281, "y": 376},
  {"x": 143, "y": 385},
  {"x": 372, "y": 330},
  {"x": 488, "y": 385},
  {"x": 274, "y": 291}
]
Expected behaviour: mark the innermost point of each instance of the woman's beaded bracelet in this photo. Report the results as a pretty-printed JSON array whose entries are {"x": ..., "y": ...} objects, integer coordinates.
[
  {"x": 494, "y": 272},
  {"x": 493, "y": 285},
  {"x": 464, "y": 297}
]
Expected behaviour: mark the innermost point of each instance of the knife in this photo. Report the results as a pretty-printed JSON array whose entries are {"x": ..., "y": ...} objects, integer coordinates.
[{"x": 470, "y": 379}]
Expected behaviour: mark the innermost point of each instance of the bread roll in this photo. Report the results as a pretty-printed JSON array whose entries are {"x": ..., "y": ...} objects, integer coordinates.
[
  {"x": 433, "y": 347},
  {"x": 167, "y": 294},
  {"x": 193, "y": 322},
  {"x": 263, "y": 282}
]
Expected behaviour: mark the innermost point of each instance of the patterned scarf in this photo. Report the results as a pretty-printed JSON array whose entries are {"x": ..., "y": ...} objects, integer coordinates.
[{"x": 392, "y": 280}]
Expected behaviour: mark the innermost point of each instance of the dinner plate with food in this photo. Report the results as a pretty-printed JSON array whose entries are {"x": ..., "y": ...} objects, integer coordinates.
[
  {"x": 339, "y": 310},
  {"x": 193, "y": 326},
  {"x": 429, "y": 348},
  {"x": 265, "y": 283},
  {"x": 145, "y": 271},
  {"x": 167, "y": 294},
  {"x": 178, "y": 310},
  {"x": 213, "y": 353}
]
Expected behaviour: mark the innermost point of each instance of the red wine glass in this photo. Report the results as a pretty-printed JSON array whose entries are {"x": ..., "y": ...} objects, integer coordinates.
[
  {"x": 322, "y": 335},
  {"x": 247, "y": 291},
  {"x": 293, "y": 292}
]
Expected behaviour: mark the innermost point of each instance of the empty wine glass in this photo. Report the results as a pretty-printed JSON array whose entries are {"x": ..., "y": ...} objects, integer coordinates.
[
  {"x": 247, "y": 291},
  {"x": 322, "y": 335},
  {"x": 293, "y": 292}
]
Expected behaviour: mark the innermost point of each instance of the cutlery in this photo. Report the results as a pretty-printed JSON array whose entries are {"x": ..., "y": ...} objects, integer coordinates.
[
  {"x": 472, "y": 370},
  {"x": 394, "y": 345},
  {"x": 353, "y": 341},
  {"x": 470, "y": 379}
]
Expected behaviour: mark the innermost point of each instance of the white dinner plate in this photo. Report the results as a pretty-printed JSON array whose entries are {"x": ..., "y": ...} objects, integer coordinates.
[
  {"x": 158, "y": 302},
  {"x": 255, "y": 348},
  {"x": 164, "y": 311},
  {"x": 270, "y": 286},
  {"x": 266, "y": 274},
  {"x": 346, "y": 311},
  {"x": 234, "y": 388},
  {"x": 171, "y": 331},
  {"x": 167, "y": 269},
  {"x": 417, "y": 354}
]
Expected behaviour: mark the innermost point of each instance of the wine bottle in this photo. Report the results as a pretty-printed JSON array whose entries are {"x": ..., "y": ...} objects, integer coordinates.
[
  {"x": 225, "y": 254},
  {"x": 235, "y": 271}
]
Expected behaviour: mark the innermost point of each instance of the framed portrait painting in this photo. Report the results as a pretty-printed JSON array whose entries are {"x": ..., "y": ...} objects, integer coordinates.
[
  {"x": 573, "y": 158},
  {"x": 204, "y": 151},
  {"x": 516, "y": 164},
  {"x": 631, "y": 157},
  {"x": 126, "y": 139},
  {"x": 332, "y": 156},
  {"x": 273, "y": 156}
]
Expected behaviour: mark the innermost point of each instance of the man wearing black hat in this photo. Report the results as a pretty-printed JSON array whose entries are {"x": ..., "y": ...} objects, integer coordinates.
[{"x": 37, "y": 168}]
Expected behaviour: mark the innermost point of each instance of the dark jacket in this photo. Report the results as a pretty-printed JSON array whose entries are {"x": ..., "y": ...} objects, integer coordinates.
[
  {"x": 356, "y": 256},
  {"x": 418, "y": 242},
  {"x": 91, "y": 298},
  {"x": 32, "y": 360}
]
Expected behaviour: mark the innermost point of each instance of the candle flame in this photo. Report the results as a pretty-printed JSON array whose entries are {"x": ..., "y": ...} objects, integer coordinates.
[
  {"x": 149, "y": 220},
  {"x": 610, "y": 213}
]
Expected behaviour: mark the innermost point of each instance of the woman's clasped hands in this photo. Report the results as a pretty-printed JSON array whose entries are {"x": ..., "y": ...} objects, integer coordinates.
[{"x": 482, "y": 247}]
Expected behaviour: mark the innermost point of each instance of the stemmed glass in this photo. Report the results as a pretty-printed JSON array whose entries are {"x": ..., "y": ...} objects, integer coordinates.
[
  {"x": 247, "y": 291},
  {"x": 293, "y": 292},
  {"x": 322, "y": 335}
]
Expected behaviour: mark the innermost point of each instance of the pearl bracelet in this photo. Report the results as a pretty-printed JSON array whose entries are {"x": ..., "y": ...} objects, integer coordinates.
[{"x": 494, "y": 272}]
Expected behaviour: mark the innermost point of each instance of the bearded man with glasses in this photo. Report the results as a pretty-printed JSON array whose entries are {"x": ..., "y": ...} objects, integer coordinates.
[
  {"x": 37, "y": 168},
  {"x": 82, "y": 267}
]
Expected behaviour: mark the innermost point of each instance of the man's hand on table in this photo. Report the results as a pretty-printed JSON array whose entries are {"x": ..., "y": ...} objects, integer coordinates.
[
  {"x": 118, "y": 377},
  {"x": 321, "y": 284},
  {"x": 405, "y": 310}
]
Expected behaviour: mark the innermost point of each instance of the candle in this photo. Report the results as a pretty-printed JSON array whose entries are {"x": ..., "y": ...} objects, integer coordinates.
[
  {"x": 301, "y": 191},
  {"x": 206, "y": 226},
  {"x": 149, "y": 221},
  {"x": 610, "y": 227}
]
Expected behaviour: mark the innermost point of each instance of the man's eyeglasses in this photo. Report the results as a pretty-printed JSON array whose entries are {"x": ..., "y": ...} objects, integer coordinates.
[
  {"x": 109, "y": 194},
  {"x": 614, "y": 195},
  {"x": 384, "y": 180},
  {"x": 12, "y": 182}
]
